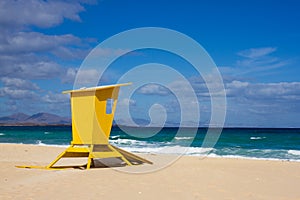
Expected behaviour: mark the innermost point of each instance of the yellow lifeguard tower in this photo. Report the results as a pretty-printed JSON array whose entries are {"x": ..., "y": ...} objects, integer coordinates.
[{"x": 92, "y": 116}]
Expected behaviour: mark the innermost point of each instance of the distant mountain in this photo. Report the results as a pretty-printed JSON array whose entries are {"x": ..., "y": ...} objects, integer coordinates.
[
  {"x": 15, "y": 118},
  {"x": 36, "y": 119}
]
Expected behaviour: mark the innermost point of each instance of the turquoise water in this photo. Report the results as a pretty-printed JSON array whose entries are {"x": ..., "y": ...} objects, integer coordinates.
[{"x": 256, "y": 143}]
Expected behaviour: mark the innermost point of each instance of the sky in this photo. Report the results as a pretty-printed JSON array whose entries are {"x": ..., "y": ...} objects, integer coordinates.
[{"x": 254, "y": 44}]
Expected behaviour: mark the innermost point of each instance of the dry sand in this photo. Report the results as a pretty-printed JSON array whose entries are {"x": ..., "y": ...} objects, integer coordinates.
[{"x": 187, "y": 178}]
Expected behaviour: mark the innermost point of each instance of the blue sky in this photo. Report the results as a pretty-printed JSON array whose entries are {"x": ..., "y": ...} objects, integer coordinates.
[{"x": 255, "y": 45}]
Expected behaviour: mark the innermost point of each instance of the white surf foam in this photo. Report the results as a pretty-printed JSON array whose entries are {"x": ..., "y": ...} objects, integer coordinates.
[
  {"x": 50, "y": 145},
  {"x": 209, "y": 152},
  {"x": 177, "y": 150},
  {"x": 294, "y": 152},
  {"x": 115, "y": 136},
  {"x": 183, "y": 138},
  {"x": 2, "y": 134},
  {"x": 40, "y": 143},
  {"x": 257, "y": 138},
  {"x": 129, "y": 142}
]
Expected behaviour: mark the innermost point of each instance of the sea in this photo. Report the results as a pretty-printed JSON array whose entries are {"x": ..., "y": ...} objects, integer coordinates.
[{"x": 250, "y": 143}]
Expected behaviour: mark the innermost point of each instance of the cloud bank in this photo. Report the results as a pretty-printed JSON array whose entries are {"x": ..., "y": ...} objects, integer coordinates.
[{"x": 28, "y": 56}]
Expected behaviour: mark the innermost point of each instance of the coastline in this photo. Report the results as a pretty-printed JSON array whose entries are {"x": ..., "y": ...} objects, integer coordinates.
[
  {"x": 203, "y": 156},
  {"x": 190, "y": 177}
]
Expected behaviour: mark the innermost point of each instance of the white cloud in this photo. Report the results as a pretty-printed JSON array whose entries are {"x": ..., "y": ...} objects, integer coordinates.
[
  {"x": 18, "y": 89},
  {"x": 260, "y": 64},
  {"x": 247, "y": 102},
  {"x": 262, "y": 104},
  {"x": 86, "y": 77},
  {"x": 56, "y": 98},
  {"x": 68, "y": 52},
  {"x": 237, "y": 84},
  {"x": 29, "y": 66},
  {"x": 38, "y": 13},
  {"x": 255, "y": 60},
  {"x": 43, "y": 70},
  {"x": 257, "y": 52},
  {"x": 107, "y": 52},
  {"x": 38, "y": 70},
  {"x": 19, "y": 83},
  {"x": 26, "y": 42},
  {"x": 235, "y": 88},
  {"x": 27, "y": 55},
  {"x": 18, "y": 94},
  {"x": 35, "y": 55},
  {"x": 127, "y": 102},
  {"x": 153, "y": 89},
  {"x": 212, "y": 86},
  {"x": 70, "y": 75},
  {"x": 268, "y": 92}
]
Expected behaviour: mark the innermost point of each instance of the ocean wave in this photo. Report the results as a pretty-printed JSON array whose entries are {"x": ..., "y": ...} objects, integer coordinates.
[
  {"x": 131, "y": 142},
  {"x": 256, "y": 154},
  {"x": 294, "y": 152},
  {"x": 185, "y": 150},
  {"x": 177, "y": 150},
  {"x": 115, "y": 137},
  {"x": 39, "y": 142},
  {"x": 257, "y": 138},
  {"x": 183, "y": 138},
  {"x": 2, "y": 134},
  {"x": 253, "y": 154},
  {"x": 138, "y": 146}
]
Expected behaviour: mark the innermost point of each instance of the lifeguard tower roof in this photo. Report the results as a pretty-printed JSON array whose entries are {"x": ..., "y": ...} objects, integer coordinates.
[{"x": 96, "y": 88}]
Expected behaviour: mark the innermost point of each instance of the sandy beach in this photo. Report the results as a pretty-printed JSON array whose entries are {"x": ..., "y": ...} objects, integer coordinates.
[{"x": 187, "y": 178}]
